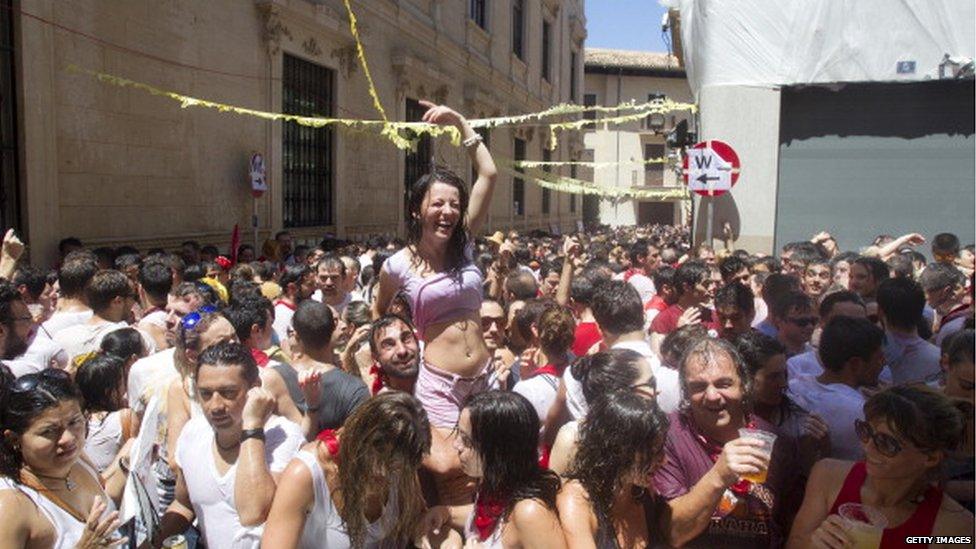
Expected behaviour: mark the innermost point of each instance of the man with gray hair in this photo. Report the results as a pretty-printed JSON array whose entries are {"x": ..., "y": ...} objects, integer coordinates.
[{"x": 945, "y": 292}]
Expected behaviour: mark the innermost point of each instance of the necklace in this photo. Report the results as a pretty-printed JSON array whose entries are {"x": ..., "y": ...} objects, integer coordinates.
[{"x": 69, "y": 484}]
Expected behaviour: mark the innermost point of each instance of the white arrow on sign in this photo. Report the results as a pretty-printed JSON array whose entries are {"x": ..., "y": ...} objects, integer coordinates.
[{"x": 707, "y": 171}]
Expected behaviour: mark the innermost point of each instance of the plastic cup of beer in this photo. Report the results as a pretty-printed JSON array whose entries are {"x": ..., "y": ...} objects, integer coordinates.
[
  {"x": 768, "y": 440},
  {"x": 865, "y": 524}
]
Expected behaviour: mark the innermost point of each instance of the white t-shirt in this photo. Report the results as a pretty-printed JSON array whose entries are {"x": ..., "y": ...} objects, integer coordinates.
[
  {"x": 575, "y": 401},
  {"x": 668, "y": 383},
  {"x": 643, "y": 284},
  {"x": 61, "y": 320},
  {"x": 150, "y": 376},
  {"x": 40, "y": 355},
  {"x": 807, "y": 363},
  {"x": 911, "y": 359},
  {"x": 340, "y": 308},
  {"x": 104, "y": 439},
  {"x": 282, "y": 320},
  {"x": 540, "y": 390},
  {"x": 212, "y": 495},
  {"x": 85, "y": 338},
  {"x": 839, "y": 405}
]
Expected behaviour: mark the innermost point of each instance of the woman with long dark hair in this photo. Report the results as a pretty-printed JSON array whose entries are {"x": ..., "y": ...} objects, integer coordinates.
[
  {"x": 438, "y": 273},
  {"x": 607, "y": 503},
  {"x": 358, "y": 486},
  {"x": 515, "y": 505},
  {"x": 49, "y": 495},
  {"x": 600, "y": 374}
]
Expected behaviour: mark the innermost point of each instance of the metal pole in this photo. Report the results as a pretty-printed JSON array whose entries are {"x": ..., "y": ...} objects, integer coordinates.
[
  {"x": 708, "y": 220},
  {"x": 254, "y": 224}
]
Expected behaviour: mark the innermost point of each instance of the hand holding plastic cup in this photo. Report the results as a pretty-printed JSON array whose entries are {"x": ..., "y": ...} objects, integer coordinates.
[
  {"x": 864, "y": 523},
  {"x": 768, "y": 440}
]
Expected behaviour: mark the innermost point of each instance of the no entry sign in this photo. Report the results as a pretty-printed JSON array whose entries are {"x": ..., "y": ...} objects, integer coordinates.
[{"x": 711, "y": 168}]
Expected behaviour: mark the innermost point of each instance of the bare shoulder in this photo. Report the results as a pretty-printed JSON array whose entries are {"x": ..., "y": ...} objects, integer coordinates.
[
  {"x": 953, "y": 519},
  {"x": 18, "y": 512},
  {"x": 828, "y": 473},
  {"x": 573, "y": 497},
  {"x": 531, "y": 512}
]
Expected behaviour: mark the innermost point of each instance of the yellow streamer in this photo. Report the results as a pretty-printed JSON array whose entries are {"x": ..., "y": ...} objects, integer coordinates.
[
  {"x": 393, "y": 131},
  {"x": 578, "y": 186},
  {"x": 361, "y": 53},
  {"x": 594, "y": 165}
]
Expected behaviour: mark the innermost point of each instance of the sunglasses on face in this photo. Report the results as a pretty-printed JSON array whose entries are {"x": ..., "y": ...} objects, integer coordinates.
[
  {"x": 886, "y": 444},
  {"x": 487, "y": 321},
  {"x": 190, "y": 321},
  {"x": 29, "y": 382},
  {"x": 803, "y": 321}
]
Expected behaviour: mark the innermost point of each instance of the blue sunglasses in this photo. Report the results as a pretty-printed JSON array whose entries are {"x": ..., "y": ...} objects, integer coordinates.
[{"x": 190, "y": 321}]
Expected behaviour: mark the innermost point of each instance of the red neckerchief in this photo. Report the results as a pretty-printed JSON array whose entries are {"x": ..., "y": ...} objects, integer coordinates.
[
  {"x": 328, "y": 436},
  {"x": 487, "y": 512},
  {"x": 285, "y": 303},
  {"x": 377, "y": 374},
  {"x": 631, "y": 272},
  {"x": 260, "y": 357},
  {"x": 743, "y": 486},
  {"x": 955, "y": 313},
  {"x": 548, "y": 369}
]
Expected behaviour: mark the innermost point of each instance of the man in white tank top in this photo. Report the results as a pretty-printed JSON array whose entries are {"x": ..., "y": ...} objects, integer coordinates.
[{"x": 229, "y": 460}]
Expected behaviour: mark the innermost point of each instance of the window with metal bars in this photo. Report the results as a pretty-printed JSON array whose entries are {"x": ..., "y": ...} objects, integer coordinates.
[
  {"x": 518, "y": 28},
  {"x": 518, "y": 184},
  {"x": 307, "y": 156},
  {"x": 572, "y": 77},
  {"x": 654, "y": 172},
  {"x": 9, "y": 178},
  {"x": 418, "y": 162},
  {"x": 572, "y": 197},
  {"x": 479, "y": 13},
  {"x": 589, "y": 100},
  {"x": 546, "y": 193},
  {"x": 546, "y": 36}
]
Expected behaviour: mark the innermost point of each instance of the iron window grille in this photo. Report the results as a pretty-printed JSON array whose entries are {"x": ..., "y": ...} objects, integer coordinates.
[{"x": 307, "y": 155}]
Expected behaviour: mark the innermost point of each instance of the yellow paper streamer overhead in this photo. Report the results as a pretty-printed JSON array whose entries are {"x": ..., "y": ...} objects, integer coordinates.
[
  {"x": 361, "y": 53},
  {"x": 583, "y": 164},
  {"x": 578, "y": 186}
]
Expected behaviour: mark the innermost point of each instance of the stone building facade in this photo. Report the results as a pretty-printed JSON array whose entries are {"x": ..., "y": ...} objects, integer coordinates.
[
  {"x": 616, "y": 76},
  {"x": 115, "y": 165}
]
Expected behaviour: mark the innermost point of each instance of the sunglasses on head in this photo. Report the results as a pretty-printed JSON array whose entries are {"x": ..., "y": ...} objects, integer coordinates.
[
  {"x": 804, "y": 321},
  {"x": 28, "y": 382},
  {"x": 190, "y": 321},
  {"x": 886, "y": 444}
]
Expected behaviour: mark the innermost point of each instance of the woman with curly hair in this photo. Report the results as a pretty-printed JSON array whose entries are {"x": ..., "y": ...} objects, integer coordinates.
[
  {"x": 515, "y": 506},
  {"x": 607, "y": 502},
  {"x": 358, "y": 486}
]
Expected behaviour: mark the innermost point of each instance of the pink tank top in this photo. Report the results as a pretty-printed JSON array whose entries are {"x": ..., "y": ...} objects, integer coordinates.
[{"x": 441, "y": 297}]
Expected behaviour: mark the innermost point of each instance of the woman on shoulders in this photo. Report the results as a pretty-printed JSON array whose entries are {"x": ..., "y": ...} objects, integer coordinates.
[
  {"x": 907, "y": 433},
  {"x": 49, "y": 495},
  {"x": 607, "y": 502},
  {"x": 437, "y": 272}
]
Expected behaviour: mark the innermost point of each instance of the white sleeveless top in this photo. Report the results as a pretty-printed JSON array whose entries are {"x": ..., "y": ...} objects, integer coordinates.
[
  {"x": 323, "y": 525},
  {"x": 66, "y": 527}
]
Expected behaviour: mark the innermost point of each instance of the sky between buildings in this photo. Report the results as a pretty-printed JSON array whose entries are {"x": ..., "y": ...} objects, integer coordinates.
[{"x": 625, "y": 25}]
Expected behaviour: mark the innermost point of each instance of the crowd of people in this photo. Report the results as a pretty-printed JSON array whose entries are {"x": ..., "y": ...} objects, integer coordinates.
[{"x": 611, "y": 388}]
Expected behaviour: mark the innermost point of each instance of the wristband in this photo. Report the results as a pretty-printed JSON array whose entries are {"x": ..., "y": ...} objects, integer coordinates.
[
  {"x": 473, "y": 140},
  {"x": 252, "y": 433}
]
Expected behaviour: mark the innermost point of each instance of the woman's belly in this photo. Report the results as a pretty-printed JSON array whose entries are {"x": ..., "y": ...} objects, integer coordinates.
[{"x": 457, "y": 346}]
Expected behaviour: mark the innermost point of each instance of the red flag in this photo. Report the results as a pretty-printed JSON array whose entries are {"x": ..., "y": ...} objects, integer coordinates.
[{"x": 235, "y": 242}]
